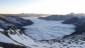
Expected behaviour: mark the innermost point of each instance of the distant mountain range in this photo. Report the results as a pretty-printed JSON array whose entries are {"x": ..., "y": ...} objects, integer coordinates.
[
  {"x": 62, "y": 17},
  {"x": 26, "y": 15}
]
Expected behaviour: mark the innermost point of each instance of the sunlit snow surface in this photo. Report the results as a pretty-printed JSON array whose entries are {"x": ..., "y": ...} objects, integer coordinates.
[
  {"x": 46, "y": 30},
  {"x": 3, "y": 38}
]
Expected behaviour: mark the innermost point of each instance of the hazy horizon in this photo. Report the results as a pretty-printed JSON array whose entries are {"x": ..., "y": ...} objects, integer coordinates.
[{"x": 42, "y": 6}]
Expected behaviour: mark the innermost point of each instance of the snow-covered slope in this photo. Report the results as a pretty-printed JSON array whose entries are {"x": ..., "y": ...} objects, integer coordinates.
[
  {"x": 4, "y": 38},
  {"x": 47, "y": 30},
  {"x": 22, "y": 38},
  {"x": 1, "y": 47},
  {"x": 14, "y": 37}
]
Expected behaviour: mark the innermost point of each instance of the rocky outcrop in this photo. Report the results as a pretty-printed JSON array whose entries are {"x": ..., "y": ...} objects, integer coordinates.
[
  {"x": 80, "y": 27},
  {"x": 9, "y": 45},
  {"x": 72, "y": 20}
]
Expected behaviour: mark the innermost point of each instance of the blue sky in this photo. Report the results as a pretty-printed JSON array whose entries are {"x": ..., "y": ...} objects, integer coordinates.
[
  {"x": 15, "y": 3},
  {"x": 42, "y": 6},
  {"x": 8, "y": 6}
]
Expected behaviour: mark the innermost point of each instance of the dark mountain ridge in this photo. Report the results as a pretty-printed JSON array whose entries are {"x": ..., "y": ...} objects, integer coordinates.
[
  {"x": 56, "y": 17},
  {"x": 62, "y": 17},
  {"x": 78, "y": 22},
  {"x": 7, "y": 21}
]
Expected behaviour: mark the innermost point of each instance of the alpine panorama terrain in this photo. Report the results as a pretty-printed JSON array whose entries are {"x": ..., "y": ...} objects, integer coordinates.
[{"x": 42, "y": 31}]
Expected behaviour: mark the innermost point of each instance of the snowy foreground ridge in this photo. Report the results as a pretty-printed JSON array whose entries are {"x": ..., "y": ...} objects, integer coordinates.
[{"x": 44, "y": 34}]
